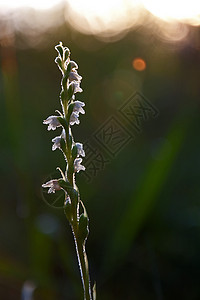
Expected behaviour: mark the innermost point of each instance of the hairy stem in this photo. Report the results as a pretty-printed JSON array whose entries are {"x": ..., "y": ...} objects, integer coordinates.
[
  {"x": 79, "y": 243},
  {"x": 83, "y": 265}
]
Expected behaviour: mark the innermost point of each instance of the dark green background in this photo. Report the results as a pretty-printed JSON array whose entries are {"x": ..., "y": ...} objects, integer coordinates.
[{"x": 144, "y": 208}]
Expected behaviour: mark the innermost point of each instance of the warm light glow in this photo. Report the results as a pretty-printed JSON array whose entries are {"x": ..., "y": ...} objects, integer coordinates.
[
  {"x": 139, "y": 64},
  {"x": 36, "y": 4},
  {"x": 108, "y": 10},
  {"x": 98, "y": 15},
  {"x": 107, "y": 19},
  {"x": 174, "y": 9}
]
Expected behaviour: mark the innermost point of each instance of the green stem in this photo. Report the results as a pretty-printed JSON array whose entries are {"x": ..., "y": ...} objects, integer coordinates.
[
  {"x": 83, "y": 265},
  {"x": 81, "y": 255},
  {"x": 80, "y": 246}
]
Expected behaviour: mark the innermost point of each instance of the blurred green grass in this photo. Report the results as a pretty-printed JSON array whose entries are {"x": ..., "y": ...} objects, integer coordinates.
[{"x": 143, "y": 208}]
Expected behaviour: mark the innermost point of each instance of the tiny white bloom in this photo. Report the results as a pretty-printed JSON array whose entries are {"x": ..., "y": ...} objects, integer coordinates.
[
  {"x": 78, "y": 107},
  {"x": 52, "y": 122},
  {"x": 74, "y": 76},
  {"x": 53, "y": 186},
  {"x": 77, "y": 165},
  {"x": 80, "y": 149},
  {"x": 73, "y": 64},
  {"x": 74, "y": 118},
  {"x": 56, "y": 142},
  {"x": 76, "y": 87}
]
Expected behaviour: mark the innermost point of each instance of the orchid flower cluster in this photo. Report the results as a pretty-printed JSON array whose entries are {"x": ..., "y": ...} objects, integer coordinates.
[{"x": 73, "y": 153}]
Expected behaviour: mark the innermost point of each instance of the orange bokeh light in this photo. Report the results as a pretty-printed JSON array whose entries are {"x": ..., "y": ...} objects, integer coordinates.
[{"x": 139, "y": 64}]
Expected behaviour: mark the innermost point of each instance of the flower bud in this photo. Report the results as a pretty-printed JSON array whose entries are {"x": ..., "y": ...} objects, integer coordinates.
[
  {"x": 64, "y": 81},
  {"x": 68, "y": 210},
  {"x": 71, "y": 90},
  {"x": 83, "y": 230},
  {"x": 70, "y": 109},
  {"x": 67, "y": 187},
  {"x": 66, "y": 53},
  {"x": 59, "y": 48},
  {"x": 69, "y": 67},
  {"x": 74, "y": 152},
  {"x": 58, "y": 61}
]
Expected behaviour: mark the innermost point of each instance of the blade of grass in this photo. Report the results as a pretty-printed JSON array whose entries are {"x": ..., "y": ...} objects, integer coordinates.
[{"x": 142, "y": 203}]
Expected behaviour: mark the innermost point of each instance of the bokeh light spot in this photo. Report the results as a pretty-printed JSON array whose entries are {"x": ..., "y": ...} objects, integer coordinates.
[{"x": 139, "y": 64}]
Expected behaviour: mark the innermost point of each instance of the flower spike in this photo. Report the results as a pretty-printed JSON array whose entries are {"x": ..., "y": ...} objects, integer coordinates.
[{"x": 73, "y": 153}]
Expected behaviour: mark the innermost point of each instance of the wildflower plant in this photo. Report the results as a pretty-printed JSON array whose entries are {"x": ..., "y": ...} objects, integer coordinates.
[{"x": 73, "y": 153}]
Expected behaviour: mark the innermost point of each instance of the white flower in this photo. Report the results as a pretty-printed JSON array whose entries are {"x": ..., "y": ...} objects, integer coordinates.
[
  {"x": 53, "y": 122},
  {"x": 78, "y": 107},
  {"x": 75, "y": 87},
  {"x": 53, "y": 186},
  {"x": 80, "y": 149},
  {"x": 56, "y": 142},
  {"x": 74, "y": 118},
  {"x": 74, "y": 76},
  {"x": 73, "y": 64},
  {"x": 77, "y": 165}
]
